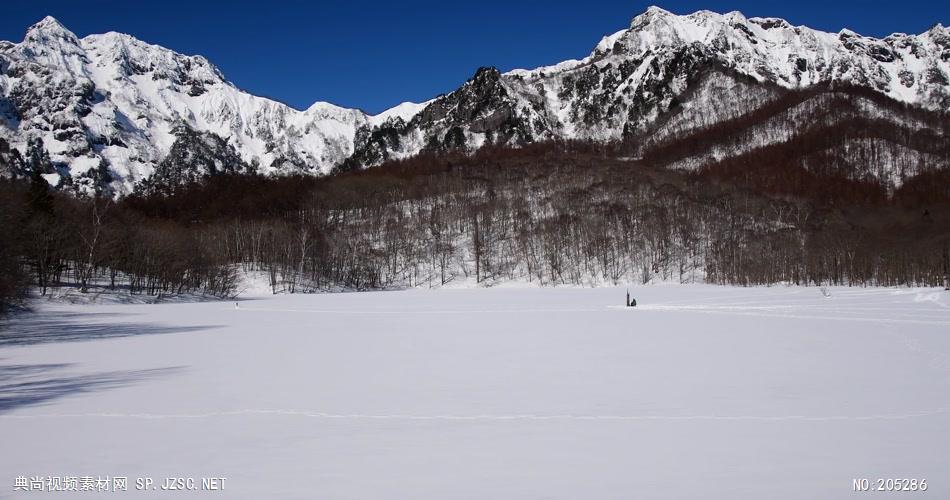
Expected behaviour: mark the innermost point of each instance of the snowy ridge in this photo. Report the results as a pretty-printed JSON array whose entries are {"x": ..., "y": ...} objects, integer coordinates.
[
  {"x": 102, "y": 113},
  {"x": 771, "y": 49},
  {"x": 404, "y": 111}
]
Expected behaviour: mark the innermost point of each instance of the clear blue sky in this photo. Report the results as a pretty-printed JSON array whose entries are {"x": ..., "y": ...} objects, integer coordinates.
[{"x": 373, "y": 55}]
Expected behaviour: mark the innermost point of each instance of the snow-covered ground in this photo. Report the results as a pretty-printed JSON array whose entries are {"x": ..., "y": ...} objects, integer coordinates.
[{"x": 700, "y": 392}]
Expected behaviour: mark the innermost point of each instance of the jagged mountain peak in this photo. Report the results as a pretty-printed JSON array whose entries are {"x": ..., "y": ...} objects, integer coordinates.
[
  {"x": 658, "y": 16},
  {"x": 768, "y": 23},
  {"x": 119, "y": 55},
  {"x": 650, "y": 12},
  {"x": 49, "y": 42},
  {"x": 49, "y": 27},
  {"x": 938, "y": 28},
  {"x": 939, "y": 35},
  {"x": 484, "y": 75}
]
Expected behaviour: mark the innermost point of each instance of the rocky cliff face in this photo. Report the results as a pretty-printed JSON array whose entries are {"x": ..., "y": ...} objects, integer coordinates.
[{"x": 106, "y": 113}]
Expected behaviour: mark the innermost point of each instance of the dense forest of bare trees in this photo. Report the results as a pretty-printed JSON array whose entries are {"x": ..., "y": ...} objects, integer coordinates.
[
  {"x": 53, "y": 240},
  {"x": 815, "y": 209}
]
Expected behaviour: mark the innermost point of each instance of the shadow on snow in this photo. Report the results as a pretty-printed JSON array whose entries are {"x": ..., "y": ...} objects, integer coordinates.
[
  {"x": 48, "y": 327},
  {"x": 26, "y": 385}
]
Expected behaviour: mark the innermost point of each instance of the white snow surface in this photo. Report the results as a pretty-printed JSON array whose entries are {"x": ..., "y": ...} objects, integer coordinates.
[
  {"x": 404, "y": 111},
  {"x": 699, "y": 392}
]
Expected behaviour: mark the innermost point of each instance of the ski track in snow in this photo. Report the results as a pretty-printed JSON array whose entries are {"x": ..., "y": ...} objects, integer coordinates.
[
  {"x": 763, "y": 312},
  {"x": 777, "y": 311},
  {"x": 437, "y": 312},
  {"x": 490, "y": 417}
]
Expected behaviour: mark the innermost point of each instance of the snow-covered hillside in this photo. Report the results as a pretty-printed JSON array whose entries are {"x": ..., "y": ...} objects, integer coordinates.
[
  {"x": 700, "y": 392},
  {"x": 105, "y": 112}
]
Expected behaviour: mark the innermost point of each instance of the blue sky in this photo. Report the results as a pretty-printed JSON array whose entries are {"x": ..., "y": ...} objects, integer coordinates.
[{"x": 373, "y": 55}]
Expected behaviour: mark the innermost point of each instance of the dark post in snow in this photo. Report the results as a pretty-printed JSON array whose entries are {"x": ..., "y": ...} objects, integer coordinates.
[{"x": 628, "y": 297}]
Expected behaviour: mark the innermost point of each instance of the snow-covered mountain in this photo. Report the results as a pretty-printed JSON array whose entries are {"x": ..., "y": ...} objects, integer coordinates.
[
  {"x": 109, "y": 112},
  {"x": 635, "y": 75}
]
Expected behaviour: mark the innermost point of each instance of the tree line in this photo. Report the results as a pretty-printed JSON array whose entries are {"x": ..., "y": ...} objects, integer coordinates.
[{"x": 565, "y": 212}]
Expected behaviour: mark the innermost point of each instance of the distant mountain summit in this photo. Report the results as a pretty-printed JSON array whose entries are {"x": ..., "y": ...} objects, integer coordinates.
[{"x": 110, "y": 113}]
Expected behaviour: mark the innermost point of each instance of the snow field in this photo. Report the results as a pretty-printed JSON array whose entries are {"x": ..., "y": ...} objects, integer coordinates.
[{"x": 700, "y": 392}]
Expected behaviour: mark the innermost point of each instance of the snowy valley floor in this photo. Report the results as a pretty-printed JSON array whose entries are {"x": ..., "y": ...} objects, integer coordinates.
[{"x": 700, "y": 392}]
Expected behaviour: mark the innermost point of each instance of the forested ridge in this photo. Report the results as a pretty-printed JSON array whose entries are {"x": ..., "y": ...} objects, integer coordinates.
[{"x": 842, "y": 195}]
